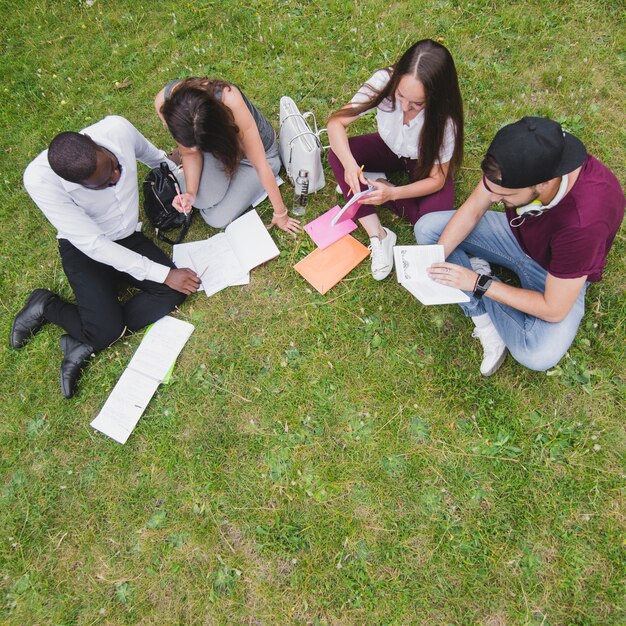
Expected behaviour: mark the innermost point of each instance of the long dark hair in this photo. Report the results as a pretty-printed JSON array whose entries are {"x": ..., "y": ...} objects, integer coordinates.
[
  {"x": 431, "y": 64},
  {"x": 198, "y": 119}
]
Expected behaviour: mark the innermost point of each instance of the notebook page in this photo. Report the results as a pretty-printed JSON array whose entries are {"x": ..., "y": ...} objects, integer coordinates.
[
  {"x": 217, "y": 264},
  {"x": 250, "y": 241},
  {"x": 125, "y": 405},
  {"x": 160, "y": 347}
]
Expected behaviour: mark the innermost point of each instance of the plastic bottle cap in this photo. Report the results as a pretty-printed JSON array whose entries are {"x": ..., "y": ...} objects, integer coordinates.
[{"x": 303, "y": 173}]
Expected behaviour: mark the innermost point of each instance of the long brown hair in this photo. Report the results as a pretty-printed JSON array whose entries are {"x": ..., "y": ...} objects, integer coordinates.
[
  {"x": 198, "y": 119},
  {"x": 431, "y": 64}
]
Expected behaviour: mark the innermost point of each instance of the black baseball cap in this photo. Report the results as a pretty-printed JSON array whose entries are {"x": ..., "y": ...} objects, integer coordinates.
[{"x": 534, "y": 150}]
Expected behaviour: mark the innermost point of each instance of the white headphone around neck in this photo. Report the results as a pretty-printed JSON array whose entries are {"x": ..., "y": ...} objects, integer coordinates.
[{"x": 535, "y": 208}]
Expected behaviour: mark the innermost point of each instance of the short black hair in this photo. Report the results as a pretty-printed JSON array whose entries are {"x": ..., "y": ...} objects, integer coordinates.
[
  {"x": 72, "y": 156},
  {"x": 491, "y": 169}
]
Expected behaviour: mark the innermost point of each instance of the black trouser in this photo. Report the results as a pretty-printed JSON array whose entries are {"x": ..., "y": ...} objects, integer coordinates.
[{"x": 98, "y": 318}]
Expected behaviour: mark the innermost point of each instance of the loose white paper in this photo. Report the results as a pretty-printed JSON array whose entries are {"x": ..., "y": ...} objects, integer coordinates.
[
  {"x": 149, "y": 366},
  {"x": 411, "y": 264},
  {"x": 226, "y": 259},
  {"x": 125, "y": 405}
]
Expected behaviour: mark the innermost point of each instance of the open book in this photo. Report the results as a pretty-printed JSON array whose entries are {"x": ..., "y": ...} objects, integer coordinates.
[
  {"x": 226, "y": 258},
  {"x": 411, "y": 265},
  {"x": 150, "y": 366},
  {"x": 349, "y": 209}
]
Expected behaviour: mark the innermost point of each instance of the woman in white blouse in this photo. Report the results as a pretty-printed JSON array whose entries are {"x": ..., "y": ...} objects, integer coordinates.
[{"x": 419, "y": 114}]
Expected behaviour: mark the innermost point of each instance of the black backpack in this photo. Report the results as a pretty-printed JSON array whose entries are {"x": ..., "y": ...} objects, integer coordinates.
[{"x": 159, "y": 189}]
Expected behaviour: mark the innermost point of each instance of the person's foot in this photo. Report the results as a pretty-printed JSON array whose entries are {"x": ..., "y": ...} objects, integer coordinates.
[
  {"x": 382, "y": 254},
  {"x": 75, "y": 355},
  {"x": 30, "y": 319},
  {"x": 480, "y": 265},
  {"x": 494, "y": 349}
]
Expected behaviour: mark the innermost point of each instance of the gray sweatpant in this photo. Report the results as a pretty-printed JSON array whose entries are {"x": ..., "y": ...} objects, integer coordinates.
[{"x": 221, "y": 199}]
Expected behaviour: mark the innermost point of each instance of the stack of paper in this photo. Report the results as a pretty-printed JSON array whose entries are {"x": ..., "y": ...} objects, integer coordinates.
[
  {"x": 227, "y": 258},
  {"x": 411, "y": 265},
  {"x": 150, "y": 366}
]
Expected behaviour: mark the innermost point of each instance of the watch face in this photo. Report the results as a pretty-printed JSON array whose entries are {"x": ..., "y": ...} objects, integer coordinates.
[{"x": 483, "y": 280}]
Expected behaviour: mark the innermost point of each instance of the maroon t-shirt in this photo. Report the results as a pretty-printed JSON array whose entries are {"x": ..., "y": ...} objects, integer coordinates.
[{"x": 573, "y": 238}]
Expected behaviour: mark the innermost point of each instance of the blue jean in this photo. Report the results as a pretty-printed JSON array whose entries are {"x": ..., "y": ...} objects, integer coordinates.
[{"x": 534, "y": 343}]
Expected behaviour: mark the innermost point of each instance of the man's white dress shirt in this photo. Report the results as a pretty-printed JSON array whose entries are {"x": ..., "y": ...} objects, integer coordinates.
[{"x": 93, "y": 220}]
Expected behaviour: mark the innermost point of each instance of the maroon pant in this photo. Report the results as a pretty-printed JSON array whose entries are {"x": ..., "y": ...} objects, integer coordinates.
[{"x": 374, "y": 154}]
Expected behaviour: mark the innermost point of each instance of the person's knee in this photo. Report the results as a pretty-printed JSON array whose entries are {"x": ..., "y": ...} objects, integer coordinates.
[
  {"x": 216, "y": 218},
  {"x": 429, "y": 227},
  {"x": 102, "y": 336},
  {"x": 167, "y": 298},
  {"x": 538, "y": 359}
]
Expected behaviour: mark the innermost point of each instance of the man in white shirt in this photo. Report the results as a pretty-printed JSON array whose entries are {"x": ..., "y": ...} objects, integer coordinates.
[{"x": 86, "y": 186}]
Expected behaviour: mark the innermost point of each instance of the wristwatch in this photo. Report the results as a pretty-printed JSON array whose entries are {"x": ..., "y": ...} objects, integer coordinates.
[{"x": 482, "y": 284}]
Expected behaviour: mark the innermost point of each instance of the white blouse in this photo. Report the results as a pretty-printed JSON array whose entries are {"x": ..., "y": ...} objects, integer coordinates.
[{"x": 402, "y": 139}]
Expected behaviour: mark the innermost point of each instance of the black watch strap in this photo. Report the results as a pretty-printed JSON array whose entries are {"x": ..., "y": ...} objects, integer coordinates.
[{"x": 482, "y": 284}]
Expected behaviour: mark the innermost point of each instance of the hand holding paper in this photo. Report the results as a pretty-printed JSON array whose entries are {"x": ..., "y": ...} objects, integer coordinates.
[{"x": 452, "y": 275}]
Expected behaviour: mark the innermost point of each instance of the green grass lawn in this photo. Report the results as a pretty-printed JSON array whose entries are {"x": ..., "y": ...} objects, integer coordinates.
[{"x": 316, "y": 459}]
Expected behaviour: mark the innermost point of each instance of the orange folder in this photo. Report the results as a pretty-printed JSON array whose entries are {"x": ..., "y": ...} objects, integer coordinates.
[{"x": 324, "y": 268}]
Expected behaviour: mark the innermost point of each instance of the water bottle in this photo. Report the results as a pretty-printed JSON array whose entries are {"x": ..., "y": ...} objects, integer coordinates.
[{"x": 300, "y": 193}]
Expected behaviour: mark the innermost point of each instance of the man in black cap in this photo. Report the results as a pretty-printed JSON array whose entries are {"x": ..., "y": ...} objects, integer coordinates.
[{"x": 563, "y": 209}]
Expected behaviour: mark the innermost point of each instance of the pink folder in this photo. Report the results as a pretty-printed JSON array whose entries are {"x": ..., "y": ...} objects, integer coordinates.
[{"x": 324, "y": 233}]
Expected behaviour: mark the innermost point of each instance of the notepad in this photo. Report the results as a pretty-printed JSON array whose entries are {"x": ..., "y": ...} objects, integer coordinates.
[
  {"x": 226, "y": 258},
  {"x": 324, "y": 233},
  {"x": 349, "y": 209},
  {"x": 149, "y": 367},
  {"x": 324, "y": 268},
  {"x": 411, "y": 264}
]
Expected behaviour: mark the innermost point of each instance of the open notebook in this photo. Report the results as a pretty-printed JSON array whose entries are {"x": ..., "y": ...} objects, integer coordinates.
[
  {"x": 227, "y": 258},
  {"x": 411, "y": 264},
  {"x": 150, "y": 366}
]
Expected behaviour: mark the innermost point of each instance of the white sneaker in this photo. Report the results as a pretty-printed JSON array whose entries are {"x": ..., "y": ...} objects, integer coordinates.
[
  {"x": 480, "y": 265},
  {"x": 382, "y": 254},
  {"x": 494, "y": 349}
]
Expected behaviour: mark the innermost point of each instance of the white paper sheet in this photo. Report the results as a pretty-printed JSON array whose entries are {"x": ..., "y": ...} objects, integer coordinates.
[
  {"x": 125, "y": 405},
  {"x": 226, "y": 259},
  {"x": 217, "y": 264},
  {"x": 250, "y": 240},
  {"x": 160, "y": 347},
  {"x": 184, "y": 255},
  {"x": 148, "y": 367},
  {"x": 411, "y": 264}
]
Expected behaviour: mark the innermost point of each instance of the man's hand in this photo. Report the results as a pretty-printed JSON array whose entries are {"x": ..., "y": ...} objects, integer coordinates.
[
  {"x": 184, "y": 280},
  {"x": 453, "y": 275}
]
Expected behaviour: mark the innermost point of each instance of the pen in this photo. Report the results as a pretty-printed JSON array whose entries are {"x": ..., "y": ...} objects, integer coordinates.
[
  {"x": 180, "y": 199},
  {"x": 359, "y": 175}
]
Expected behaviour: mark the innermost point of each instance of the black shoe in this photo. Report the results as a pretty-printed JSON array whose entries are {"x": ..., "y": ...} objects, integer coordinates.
[
  {"x": 75, "y": 355},
  {"x": 30, "y": 319}
]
